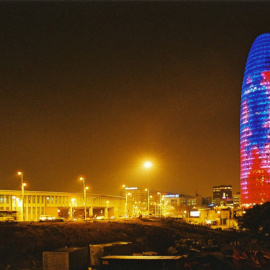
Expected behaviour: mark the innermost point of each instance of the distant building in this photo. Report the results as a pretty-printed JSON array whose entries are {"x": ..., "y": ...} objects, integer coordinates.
[
  {"x": 184, "y": 201},
  {"x": 139, "y": 198},
  {"x": 206, "y": 201},
  {"x": 188, "y": 200},
  {"x": 222, "y": 195},
  {"x": 236, "y": 200}
]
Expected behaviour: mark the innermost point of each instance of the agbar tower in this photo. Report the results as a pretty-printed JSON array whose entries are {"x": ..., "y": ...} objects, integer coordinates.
[{"x": 255, "y": 125}]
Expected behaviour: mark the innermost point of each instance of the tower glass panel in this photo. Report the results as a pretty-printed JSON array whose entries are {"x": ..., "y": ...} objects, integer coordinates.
[{"x": 255, "y": 124}]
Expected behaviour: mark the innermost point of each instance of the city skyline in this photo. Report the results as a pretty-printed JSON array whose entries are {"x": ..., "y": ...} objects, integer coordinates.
[{"x": 94, "y": 90}]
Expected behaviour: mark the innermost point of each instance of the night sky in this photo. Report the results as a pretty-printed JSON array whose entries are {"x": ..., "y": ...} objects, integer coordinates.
[{"x": 94, "y": 89}]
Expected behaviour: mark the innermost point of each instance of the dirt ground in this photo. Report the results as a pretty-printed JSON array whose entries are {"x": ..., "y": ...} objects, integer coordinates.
[{"x": 22, "y": 244}]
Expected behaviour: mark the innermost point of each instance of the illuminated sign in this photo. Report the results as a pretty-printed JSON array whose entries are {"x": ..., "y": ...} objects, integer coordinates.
[
  {"x": 131, "y": 188},
  {"x": 195, "y": 213},
  {"x": 172, "y": 196}
]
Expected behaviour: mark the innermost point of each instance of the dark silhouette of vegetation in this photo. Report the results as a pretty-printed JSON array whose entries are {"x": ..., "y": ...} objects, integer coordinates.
[{"x": 256, "y": 219}]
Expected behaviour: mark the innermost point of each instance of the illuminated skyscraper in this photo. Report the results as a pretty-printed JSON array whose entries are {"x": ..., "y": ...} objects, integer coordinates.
[{"x": 255, "y": 124}]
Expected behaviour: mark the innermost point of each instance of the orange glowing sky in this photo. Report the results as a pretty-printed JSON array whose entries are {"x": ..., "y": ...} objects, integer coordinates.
[{"x": 94, "y": 89}]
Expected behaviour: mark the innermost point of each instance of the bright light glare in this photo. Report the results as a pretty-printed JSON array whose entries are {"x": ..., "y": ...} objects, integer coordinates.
[
  {"x": 86, "y": 187},
  {"x": 147, "y": 164},
  {"x": 81, "y": 178},
  {"x": 19, "y": 173}
]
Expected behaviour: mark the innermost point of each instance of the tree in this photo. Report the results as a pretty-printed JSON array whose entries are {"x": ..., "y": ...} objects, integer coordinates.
[{"x": 256, "y": 219}]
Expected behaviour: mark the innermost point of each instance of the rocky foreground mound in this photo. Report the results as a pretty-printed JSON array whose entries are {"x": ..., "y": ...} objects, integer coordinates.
[{"x": 22, "y": 244}]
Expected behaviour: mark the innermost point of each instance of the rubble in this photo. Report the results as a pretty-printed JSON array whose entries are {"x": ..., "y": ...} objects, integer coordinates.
[{"x": 201, "y": 248}]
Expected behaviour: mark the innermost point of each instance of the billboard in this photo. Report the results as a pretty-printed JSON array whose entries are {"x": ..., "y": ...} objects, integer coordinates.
[{"x": 194, "y": 213}]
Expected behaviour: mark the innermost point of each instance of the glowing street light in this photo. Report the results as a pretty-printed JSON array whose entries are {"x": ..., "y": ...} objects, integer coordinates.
[
  {"x": 22, "y": 187},
  {"x": 147, "y": 164},
  {"x": 84, "y": 193}
]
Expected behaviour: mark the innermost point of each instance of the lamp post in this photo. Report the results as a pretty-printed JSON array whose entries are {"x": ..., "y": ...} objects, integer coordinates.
[
  {"x": 72, "y": 204},
  {"x": 221, "y": 217},
  {"x": 163, "y": 207},
  {"x": 159, "y": 204},
  {"x": 84, "y": 195},
  {"x": 187, "y": 215},
  {"x": 147, "y": 165},
  {"x": 147, "y": 200},
  {"x": 22, "y": 187},
  {"x": 47, "y": 200},
  {"x": 124, "y": 186},
  {"x": 107, "y": 209}
]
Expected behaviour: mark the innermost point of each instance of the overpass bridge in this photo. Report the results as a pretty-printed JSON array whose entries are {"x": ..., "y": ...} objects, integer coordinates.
[{"x": 63, "y": 204}]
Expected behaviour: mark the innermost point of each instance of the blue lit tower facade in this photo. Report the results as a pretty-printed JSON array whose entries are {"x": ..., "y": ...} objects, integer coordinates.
[{"x": 255, "y": 124}]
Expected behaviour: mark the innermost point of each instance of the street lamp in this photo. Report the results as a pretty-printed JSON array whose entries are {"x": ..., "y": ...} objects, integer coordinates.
[
  {"x": 72, "y": 204},
  {"x": 147, "y": 200},
  {"x": 163, "y": 207},
  {"x": 124, "y": 186},
  {"x": 107, "y": 209},
  {"x": 84, "y": 193},
  {"x": 187, "y": 215},
  {"x": 147, "y": 164},
  {"x": 159, "y": 204},
  {"x": 221, "y": 217},
  {"x": 22, "y": 187}
]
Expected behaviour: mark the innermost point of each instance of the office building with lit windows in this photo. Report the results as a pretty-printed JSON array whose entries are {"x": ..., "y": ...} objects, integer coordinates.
[
  {"x": 255, "y": 125},
  {"x": 222, "y": 195}
]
